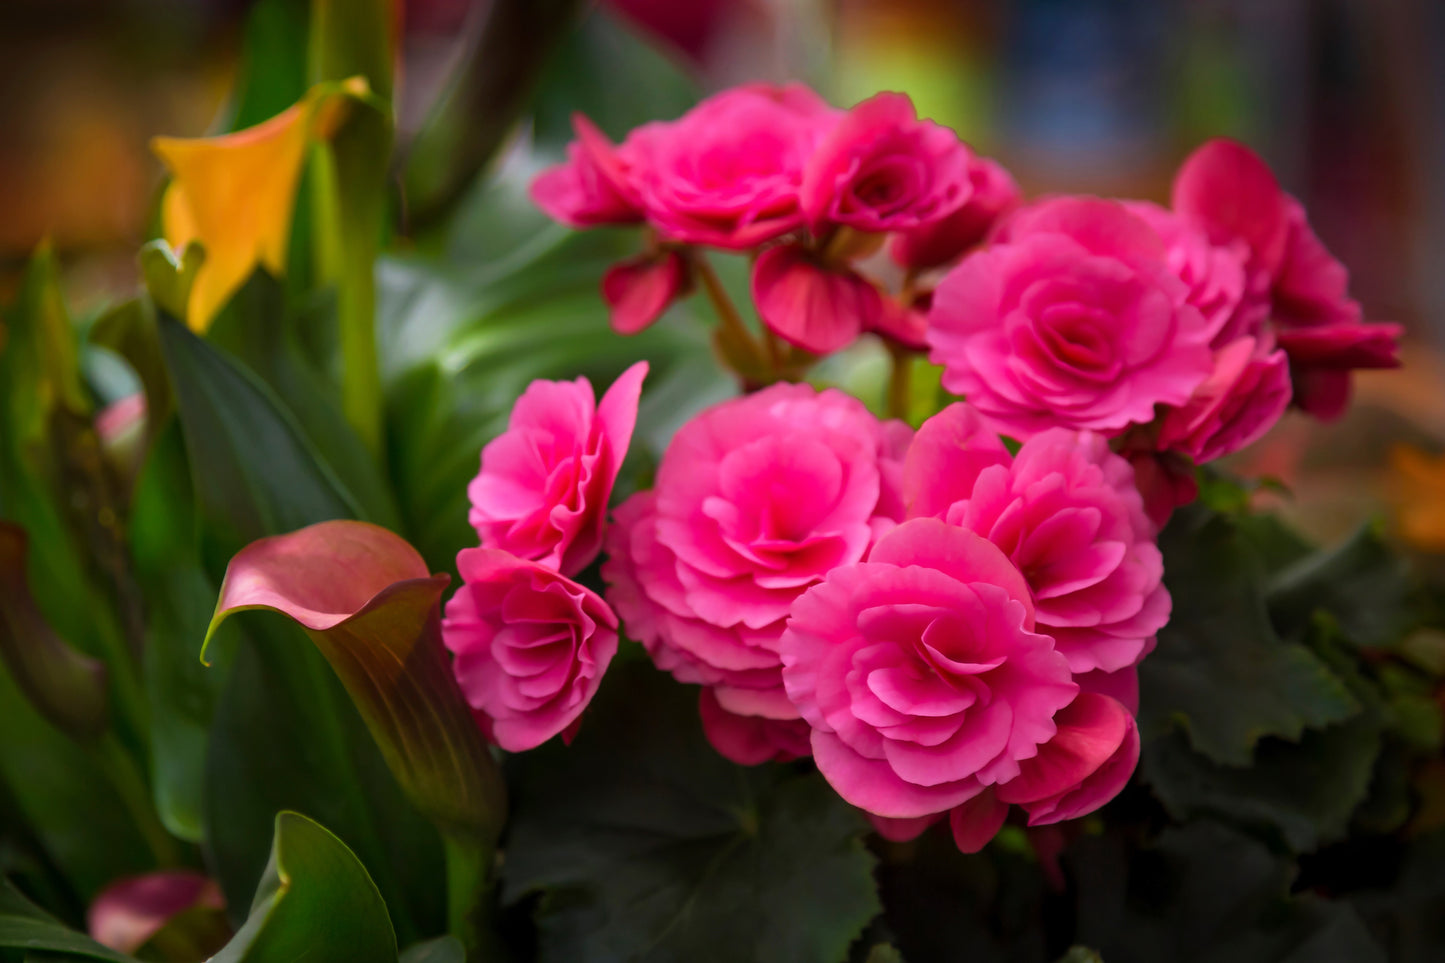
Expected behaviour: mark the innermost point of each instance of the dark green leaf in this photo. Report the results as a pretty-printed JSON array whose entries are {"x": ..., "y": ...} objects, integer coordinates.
[
  {"x": 646, "y": 845},
  {"x": 884, "y": 953},
  {"x": 350, "y": 38},
  {"x": 1220, "y": 669},
  {"x": 315, "y": 902},
  {"x": 253, "y": 471},
  {"x": 1204, "y": 894},
  {"x": 1362, "y": 583},
  {"x": 23, "y": 925},
  {"x": 272, "y": 74},
  {"x": 1081, "y": 954}
]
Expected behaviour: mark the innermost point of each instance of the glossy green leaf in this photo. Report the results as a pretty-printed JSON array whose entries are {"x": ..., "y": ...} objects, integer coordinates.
[
  {"x": 368, "y": 602},
  {"x": 646, "y": 845},
  {"x": 272, "y": 73},
  {"x": 350, "y": 38},
  {"x": 1221, "y": 671},
  {"x": 68, "y": 688},
  {"x": 23, "y": 925},
  {"x": 315, "y": 902}
]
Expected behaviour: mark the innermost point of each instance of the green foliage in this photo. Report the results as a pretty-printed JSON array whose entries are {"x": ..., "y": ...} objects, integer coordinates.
[
  {"x": 645, "y": 845},
  {"x": 314, "y": 902}
]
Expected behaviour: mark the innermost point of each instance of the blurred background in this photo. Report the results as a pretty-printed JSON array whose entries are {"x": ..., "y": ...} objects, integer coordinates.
[{"x": 1344, "y": 98}]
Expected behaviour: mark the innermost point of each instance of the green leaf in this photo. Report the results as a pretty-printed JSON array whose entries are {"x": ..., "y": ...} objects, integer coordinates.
[
  {"x": 23, "y": 925},
  {"x": 69, "y": 689},
  {"x": 1205, "y": 894},
  {"x": 272, "y": 73},
  {"x": 884, "y": 953},
  {"x": 1362, "y": 584},
  {"x": 1081, "y": 954},
  {"x": 1221, "y": 670},
  {"x": 254, "y": 472},
  {"x": 314, "y": 902},
  {"x": 351, "y": 38},
  {"x": 646, "y": 845},
  {"x": 443, "y": 949},
  {"x": 287, "y": 737}
]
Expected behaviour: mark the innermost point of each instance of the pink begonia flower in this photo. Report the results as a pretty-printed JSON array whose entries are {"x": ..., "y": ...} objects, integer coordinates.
[
  {"x": 1228, "y": 192},
  {"x": 882, "y": 169},
  {"x": 903, "y": 325},
  {"x": 544, "y": 483},
  {"x": 1231, "y": 298},
  {"x": 591, "y": 187},
  {"x": 1241, "y": 399},
  {"x": 751, "y": 740},
  {"x": 920, "y": 672},
  {"x": 993, "y": 195},
  {"x": 639, "y": 290},
  {"x": 1073, "y": 319},
  {"x": 531, "y": 646},
  {"x": 1165, "y": 481},
  {"x": 1082, "y": 767},
  {"x": 130, "y": 911},
  {"x": 1065, "y": 511},
  {"x": 809, "y": 304},
  {"x": 756, "y": 499},
  {"x": 727, "y": 173}
]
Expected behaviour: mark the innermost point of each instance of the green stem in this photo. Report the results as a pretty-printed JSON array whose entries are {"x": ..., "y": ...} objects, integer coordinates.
[
  {"x": 470, "y": 916},
  {"x": 129, "y": 783},
  {"x": 728, "y": 316},
  {"x": 899, "y": 382}
]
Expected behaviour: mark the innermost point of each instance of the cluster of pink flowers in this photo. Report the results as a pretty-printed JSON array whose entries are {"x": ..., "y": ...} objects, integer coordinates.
[{"x": 947, "y": 625}]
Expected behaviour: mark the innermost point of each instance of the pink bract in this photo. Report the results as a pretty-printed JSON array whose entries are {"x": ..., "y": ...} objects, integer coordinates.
[
  {"x": 531, "y": 646},
  {"x": 1074, "y": 319},
  {"x": 591, "y": 187},
  {"x": 1066, "y": 512},
  {"x": 920, "y": 672},
  {"x": 544, "y": 483},
  {"x": 757, "y": 499},
  {"x": 880, "y": 169},
  {"x": 727, "y": 173},
  {"x": 993, "y": 194}
]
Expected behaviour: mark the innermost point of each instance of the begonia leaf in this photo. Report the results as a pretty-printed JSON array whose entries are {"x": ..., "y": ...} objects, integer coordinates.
[
  {"x": 1221, "y": 670},
  {"x": 646, "y": 845}
]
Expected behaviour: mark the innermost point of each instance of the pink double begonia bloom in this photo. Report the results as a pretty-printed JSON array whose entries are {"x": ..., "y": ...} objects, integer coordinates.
[
  {"x": 531, "y": 646},
  {"x": 728, "y": 172},
  {"x": 1241, "y": 399},
  {"x": 1066, "y": 512},
  {"x": 1072, "y": 319},
  {"x": 993, "y": 193},
  {"x": 880, "y": 168},
  {"x": 1225, "y": 190},
  {"x": 756, "y": 499},
  {"x": 591, "y": 188},
  {"x": 544, "y": 483}
]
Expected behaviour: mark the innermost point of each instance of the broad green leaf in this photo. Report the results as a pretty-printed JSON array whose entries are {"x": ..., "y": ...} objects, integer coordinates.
[
  {"x": 68, "y": 688},
  {"x": 443, "y": 949},
  {"x": 1205, "y": 894},
  {"x": 1364, "y": 585},
  {"x": 368, "y": 602},
  {"x": 253, "y": 471},
  {"x": 287, "y": 737},
  {"x": 646, "y": 845},
  {"x": 23, "y": 925},
  {"x": 1221, "y": 671},
  {"x": 315, "y": 902}
]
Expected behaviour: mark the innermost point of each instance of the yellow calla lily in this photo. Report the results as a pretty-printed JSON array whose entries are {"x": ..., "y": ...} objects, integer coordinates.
[{"x": 235, "y": 193}]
